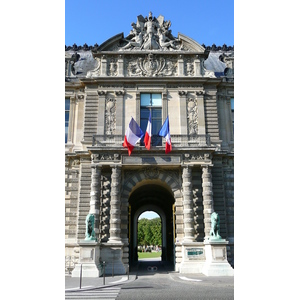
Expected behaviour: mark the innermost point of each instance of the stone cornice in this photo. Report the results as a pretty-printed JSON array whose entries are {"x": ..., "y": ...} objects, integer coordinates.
[
  {"x": 158, "y": 79},
  {"x": 85, "y": 47}
]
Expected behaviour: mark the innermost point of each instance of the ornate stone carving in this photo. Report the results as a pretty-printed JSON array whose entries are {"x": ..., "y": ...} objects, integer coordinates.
[
  {"x": 229, "y": 61},
  {"x": 113, "y": 68},
  {"x": 110, "y": 116},
  {"x": 189, "y": 68},
  {"x": 151, "y": 173},
  {"x": 192, "y": 116},
  {"x": 96, "y": 71},
  {"x": 94, "y": 157},
  {"x": 102, "y": 93},
  {"x": 151, "y": 66},
  {"x": 150, "y": 33}
]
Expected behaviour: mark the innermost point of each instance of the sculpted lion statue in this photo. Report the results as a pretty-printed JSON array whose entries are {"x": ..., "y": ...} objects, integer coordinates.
[
  {"x": 215, "y": 226},
  {"x": 89, "y": 225}
]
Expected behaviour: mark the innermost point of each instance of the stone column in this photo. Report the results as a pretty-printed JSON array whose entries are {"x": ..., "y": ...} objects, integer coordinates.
[
  {"x": 95, "y": 195},
  {"x": 207, "y": 193},
  {"x": 115, "y": 206},
  {"x": 188, "y": 211}
]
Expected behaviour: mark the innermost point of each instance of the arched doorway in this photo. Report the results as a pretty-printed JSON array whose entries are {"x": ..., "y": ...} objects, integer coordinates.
[{"x": 157, "y": 198}]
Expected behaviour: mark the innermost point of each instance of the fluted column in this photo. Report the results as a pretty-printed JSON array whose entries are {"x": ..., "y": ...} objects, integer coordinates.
[
  {"x": 95, "y": 195},
  {"x": 188, "y": 211},
  {"x": 207, "y": 193},
  {"x": 115, "y": 205}
]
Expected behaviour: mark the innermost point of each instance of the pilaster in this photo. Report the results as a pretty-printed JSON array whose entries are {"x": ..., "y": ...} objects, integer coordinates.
[
  {"x": 197, "y": 66},
  {"x": 201, "y": 112},
  {"x": 180, "y": 66},
  {"x": 121, "y": 66},
  {"x": 183, "y": 118},
  {"x": 103, "y": 66},
  {"x": 101, "y": 112},
  {"x": 119, "y": 111}
]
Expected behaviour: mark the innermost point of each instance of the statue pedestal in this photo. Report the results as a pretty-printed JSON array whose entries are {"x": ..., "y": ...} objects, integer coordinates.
[
  {"x": 193, "y": 257},
  {"x": 216, "y": 263},
  {"x": 89, "y": 260},
  {"x": 112, "y": 253}
]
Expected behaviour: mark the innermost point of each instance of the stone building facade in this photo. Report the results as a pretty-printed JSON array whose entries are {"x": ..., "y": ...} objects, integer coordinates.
[{"x": 124, "y": 77}]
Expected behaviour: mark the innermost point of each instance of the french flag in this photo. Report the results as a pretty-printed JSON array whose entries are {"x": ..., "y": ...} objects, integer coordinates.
[
  {"x": 147, "y": 139},
  {"x": 165, "y": 132},
  {"x": 132, "y": 135}
]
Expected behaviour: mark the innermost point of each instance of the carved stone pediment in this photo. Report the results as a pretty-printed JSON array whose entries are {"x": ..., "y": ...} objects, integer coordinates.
[{"x": 150, "y": 34}]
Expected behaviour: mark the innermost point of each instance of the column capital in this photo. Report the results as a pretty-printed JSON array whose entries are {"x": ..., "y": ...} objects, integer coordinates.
[
  {"x": 200, "y": 93},
  {"x": 182, "y": 93},
  {"x": 96, "y": 166},
  {"x": 102, "y": 92},
  {"x": 120, "y": 93}
]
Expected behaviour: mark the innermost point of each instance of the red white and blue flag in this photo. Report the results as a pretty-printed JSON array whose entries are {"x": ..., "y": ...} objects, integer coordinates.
[
  {"x": 147, "y": 139},
  {"x": 165, "y": 132},
  {"x": 132, "y": 135}
]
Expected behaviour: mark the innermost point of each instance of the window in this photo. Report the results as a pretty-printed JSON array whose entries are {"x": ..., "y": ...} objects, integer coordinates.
[
  {"x": 67, "y": 116},
  {"x": 153, "y": 103}
]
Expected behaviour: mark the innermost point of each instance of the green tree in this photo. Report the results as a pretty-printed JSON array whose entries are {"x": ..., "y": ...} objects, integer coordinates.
[{"x": 149, "y": 232}]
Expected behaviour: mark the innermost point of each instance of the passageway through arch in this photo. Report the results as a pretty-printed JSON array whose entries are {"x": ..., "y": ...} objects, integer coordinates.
[{"x": 156, "y": 198}]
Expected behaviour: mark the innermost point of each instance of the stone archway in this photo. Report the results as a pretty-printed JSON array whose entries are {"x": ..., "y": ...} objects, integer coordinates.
[
  {"x": 156, "y": 189},
  {"x": 154, "y": 196}
]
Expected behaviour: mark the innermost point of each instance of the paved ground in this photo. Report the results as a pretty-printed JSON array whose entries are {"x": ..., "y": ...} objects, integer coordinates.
[{"x": 151, "y": 279}]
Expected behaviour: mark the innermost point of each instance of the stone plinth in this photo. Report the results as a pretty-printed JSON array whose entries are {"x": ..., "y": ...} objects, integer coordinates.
[
  {"x": 89, "y": 260},
  {"x": 216, "y": 263},
  {"x": 112, "y": 254},
  {"x": 193, "y": 257}
]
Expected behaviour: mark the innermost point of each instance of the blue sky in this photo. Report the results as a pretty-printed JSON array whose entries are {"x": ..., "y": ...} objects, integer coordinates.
[
  {"x": 148, "y": 215},
  {"x": 91, "y": 22}
]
